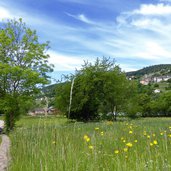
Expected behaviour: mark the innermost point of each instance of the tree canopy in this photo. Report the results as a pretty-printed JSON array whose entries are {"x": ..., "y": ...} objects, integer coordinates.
[
  {"x": 23, "y": 67},
  {"x": 98, "y": 88}
]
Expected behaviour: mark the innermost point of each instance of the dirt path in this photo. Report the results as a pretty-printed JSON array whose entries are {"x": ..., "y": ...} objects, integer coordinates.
[{"x": 4, "y": 152}]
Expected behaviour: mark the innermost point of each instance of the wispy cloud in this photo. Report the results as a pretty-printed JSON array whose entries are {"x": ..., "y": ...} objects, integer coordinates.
[
  {"x": 66, "y": 62},
  {"x": 81, "y": 17}
]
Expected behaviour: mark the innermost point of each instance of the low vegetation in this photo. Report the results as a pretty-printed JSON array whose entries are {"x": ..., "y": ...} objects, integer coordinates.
[{"x": 51, "y": 144}]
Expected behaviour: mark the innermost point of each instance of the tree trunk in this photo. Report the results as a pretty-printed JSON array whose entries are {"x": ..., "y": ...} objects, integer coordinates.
[{"x": 114, "y": 113}]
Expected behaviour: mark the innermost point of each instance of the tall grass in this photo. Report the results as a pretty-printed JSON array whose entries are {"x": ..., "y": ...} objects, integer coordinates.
[{"x": 52, "y": 144}]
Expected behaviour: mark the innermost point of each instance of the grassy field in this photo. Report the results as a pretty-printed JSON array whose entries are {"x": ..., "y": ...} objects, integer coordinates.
[{"x": 53, "y": 144}]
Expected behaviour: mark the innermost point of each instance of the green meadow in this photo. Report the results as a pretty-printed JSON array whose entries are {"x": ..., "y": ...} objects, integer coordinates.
[{"x": 54, "y": 144}]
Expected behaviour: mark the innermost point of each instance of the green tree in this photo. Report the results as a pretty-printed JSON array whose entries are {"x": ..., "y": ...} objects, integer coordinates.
[
  {"x": 23, "y": 67},
  {"x": 131, "y": 107},
  {"x": 115, "y": 89},
  {"x": 98, "y": 88},
  {"x": 162, "y": 105}
]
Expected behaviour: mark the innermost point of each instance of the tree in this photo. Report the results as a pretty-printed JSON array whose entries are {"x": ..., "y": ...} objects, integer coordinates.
[
  {"x": 163, "y": 104},
  {"x": 23, "y": 68},
  {"x": 98, "y": 88},
  {"x": 115, "y": 89}
]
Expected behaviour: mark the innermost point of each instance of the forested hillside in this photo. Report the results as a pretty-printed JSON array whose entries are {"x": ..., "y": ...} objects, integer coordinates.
[{"x": 161, "y": 69}]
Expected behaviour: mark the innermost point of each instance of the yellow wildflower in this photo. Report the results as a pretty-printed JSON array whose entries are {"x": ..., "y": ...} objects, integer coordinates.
[
  {"x": 129, "y": 144},
  {"x": 155, "y": 142},
  {"x": 96, "y": 128},
  {"x": 169, "y": 135},
  {"x": 102, "y": 133},
  {"x": 161, "y": 133},
  {"x": 90, "y": 147},
  {"x": 116, "y": 151},
  {"x": 124, "y": 141},
  {"x": 130, "y": 132},
  {"x": 145, "y": 133},
  {"x": 151, "y": 144},
  {"x": 53, "y": 142},
  {"x": 125, "y": 149},
  {"x": 88, "y": 139},
  {"x": 148, "y": 136},
  {"x": 135, "y": 141},
  {"x": 85, "y": 137},
  {"x": 154, "y": 135}
]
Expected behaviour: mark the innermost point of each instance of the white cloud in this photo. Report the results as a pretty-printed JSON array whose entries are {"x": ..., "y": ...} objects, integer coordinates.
[
  {"x": 152, "y": 9},
  {"x": 65, "y": 62}
]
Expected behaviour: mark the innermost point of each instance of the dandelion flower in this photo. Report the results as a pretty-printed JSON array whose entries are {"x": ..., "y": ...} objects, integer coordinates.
[
  {"x": 151, "y": 144},
  {"x": 124, "y": 141},
  {"x": 96, "y": 128},
  {"x": 88, "y": 139},
  {"x": 116, "y": 151},
  {"x": 130, "y": 132},
  {"x": 122, "y": 138},
  {"x": 154, "y": 135},
  {"x": 90, "y": 147},
  {"x": 155, "y": 142},
  {"x": 102, "y": 133},
  {"x": 161, "y": 133},
  {"x": 148, "y": 136},
  {"x": 125, "y": 149},
  {"x": 85, "y": 137},
  {"x": 169, "y": 135},
  {"x": 135, "y": 141},
  {"x": 129, "y": 144}
]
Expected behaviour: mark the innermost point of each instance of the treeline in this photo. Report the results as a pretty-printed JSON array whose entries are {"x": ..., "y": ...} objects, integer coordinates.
[
  {"x": 162, "y": 68},
  {"x": 102, "y": 91}
]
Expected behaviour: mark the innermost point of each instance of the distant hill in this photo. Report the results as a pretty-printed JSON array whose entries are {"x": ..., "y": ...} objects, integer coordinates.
[
  {"x": 49, "y": 91},
  {"x": 161, "y": 69},
  {"x": 158, "y": 69}
]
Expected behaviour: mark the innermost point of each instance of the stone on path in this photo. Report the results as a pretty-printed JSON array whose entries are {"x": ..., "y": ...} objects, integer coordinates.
[{"x": 4, "y": 152}]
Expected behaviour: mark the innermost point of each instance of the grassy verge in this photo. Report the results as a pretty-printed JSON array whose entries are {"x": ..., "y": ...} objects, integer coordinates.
[{"x": 50, "y": 144}]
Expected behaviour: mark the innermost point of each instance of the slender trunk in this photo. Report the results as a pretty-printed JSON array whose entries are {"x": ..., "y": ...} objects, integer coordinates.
[{"x": 114, "y": 113}]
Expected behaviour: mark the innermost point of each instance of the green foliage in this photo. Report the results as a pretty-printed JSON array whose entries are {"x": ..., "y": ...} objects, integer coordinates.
[
  {"x": 169, "y": 80},
  {"x": 23, "y": 67},
  {"x": 163, "y": 104},
  {"x": 98, "y": 88}
]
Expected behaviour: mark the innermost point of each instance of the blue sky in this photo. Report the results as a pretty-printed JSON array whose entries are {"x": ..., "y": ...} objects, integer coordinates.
[{"x": 137, "y": 33}]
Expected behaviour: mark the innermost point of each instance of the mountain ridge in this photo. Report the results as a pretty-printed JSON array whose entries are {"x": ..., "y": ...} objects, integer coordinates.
[{"x": 156, "y": 69}]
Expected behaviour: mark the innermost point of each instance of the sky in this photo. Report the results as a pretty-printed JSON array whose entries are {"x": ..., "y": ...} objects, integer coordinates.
[{"x": 136, "y": 33}]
